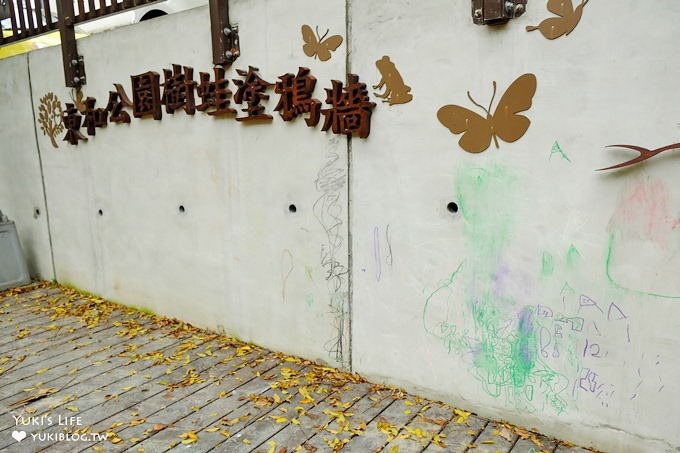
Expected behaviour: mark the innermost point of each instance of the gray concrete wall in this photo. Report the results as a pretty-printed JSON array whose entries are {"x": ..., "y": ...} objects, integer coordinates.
[{"x": 547, "y": 299}]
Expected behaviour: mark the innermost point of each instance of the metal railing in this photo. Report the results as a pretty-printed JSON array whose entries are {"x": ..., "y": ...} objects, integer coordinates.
[{"x": 30, "y": 18}]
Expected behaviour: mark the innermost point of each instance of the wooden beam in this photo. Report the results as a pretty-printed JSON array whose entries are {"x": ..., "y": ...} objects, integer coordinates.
[{"x": 74, "y": 67}]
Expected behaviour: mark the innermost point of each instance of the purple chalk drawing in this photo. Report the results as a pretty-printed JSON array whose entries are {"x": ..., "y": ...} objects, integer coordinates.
[
  {"x": 543, "y": 311},
  {"x": 585, "y": 301},
  {"x": 589, "y": 381},
  {"x": 615, "y": 313}
]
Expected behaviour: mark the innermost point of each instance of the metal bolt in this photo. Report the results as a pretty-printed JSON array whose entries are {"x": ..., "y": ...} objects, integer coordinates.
[
  {"x": 478, "y": 13},
  {"x": 227, "y": 31},
  {"x": 519, "y": 10},
  {"x": 228, "y": 54},
  {"x": 509, "y": 7},
  {"x": 74, "y": 62},
  {"x": 76, "y": 79}
]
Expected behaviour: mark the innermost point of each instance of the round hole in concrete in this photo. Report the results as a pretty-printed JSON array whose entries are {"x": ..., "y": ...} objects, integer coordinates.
[
  {"x": 181, "y": 209},
  {"x": 452, "y": 207},
  {"x": 36, "y": 213},
  {"x": 100, "y": 212},
  {"x": 292, "y": 209}
]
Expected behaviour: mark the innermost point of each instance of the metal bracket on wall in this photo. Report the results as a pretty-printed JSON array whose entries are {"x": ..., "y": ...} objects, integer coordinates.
[
  {"x": 74, "y": 66},
  {"x": 495, "y": 12},
  {"x": 225, "y": 40}
]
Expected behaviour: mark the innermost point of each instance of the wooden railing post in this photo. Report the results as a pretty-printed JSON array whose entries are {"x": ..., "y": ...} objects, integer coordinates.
[{"x": 74, "y": 66}]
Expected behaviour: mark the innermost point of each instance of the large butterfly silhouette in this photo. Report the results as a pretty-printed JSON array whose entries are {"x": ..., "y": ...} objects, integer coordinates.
[
  {"x": 505, "y": 123},
  {"x": 316, "y": 45},
  {"x": 568, "y": 18}
]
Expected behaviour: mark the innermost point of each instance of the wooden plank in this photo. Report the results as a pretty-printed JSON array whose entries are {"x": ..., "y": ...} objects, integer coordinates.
[
  {"x": 32, "y": 354},
  {"x": 364, "y": 412},
  {"x": 537, "y": 444},
  {"x": 95, "y": 365},
  {"x": 393, "y": 419},
  {"x": 495, "y": 437},
  {"x": 30, "y": 18},
  {"x": 277, "y": 419},
  {"x": 87, "y": 377},
  {"x": 39, "y": 316},
  {"x": 32, "y": 338},
  {"x": 91, "y": 395},
  {"x": 315, "y": 417},
  {"x": 422, "y": 430},
  {"x": 150, "y": 398},
  {"x": 563, "y": 448},
  {"x": 181, "y": 416},
  {"x": 62, "y": 359},
  {"x": 457, "y": 436}
]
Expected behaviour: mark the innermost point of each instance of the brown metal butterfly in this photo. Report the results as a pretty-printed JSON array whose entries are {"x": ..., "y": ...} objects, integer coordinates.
[
  {"x": 316, "y": 45},
  {"x": 569, "y": 17},
  {"x": 505, "y": 123}
]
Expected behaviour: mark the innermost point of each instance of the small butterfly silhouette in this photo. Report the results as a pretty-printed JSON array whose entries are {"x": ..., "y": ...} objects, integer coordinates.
[
  {"x": 569, "y": 17},
  {"x": 505, "y": 123},
  {"x": 316, "y": 46}
]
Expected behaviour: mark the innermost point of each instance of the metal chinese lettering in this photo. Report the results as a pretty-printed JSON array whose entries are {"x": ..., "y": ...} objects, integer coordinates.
[
  {"x": 350, "y": 111},
  {"x": 215, "y": 96},
  {"x": 178, "y": 89},
  {"x": 117, "y": 100},
  {"x": 296, "y": 97},
  {"x": 72, "y": 121},
  {"x": 146, "y": 95},
  {"x": 94, "y": 118},
  {"x": 252, "y": 92}
]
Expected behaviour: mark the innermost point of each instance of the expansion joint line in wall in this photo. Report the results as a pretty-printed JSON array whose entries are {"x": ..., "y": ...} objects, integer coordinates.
[
  {"x": 350, "y": 274},
  {"x": 40, "y": 163}
]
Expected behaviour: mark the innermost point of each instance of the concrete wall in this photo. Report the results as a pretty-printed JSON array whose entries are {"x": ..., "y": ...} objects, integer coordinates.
[{"x": 548, "y": 298}]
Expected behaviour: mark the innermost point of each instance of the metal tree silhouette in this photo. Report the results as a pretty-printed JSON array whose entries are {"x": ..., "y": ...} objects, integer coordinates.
[{"x": 51, "y": 117}]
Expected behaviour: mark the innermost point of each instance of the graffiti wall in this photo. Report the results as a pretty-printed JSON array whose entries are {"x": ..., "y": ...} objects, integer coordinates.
[{"x": 482, "y": 214}]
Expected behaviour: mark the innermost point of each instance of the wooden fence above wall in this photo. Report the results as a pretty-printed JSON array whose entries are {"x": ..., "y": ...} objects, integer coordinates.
[{"x": 30, "y": 18}]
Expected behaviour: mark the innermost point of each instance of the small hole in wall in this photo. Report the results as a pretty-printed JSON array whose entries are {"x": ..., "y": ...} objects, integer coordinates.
[
  {"x": 452, "y": 207},
  {"x": 36, "y": 213},
  {"x": 100, "y": 212},
  {"x": 181, "y": 209},
  {"x": 292, "y": 209}
]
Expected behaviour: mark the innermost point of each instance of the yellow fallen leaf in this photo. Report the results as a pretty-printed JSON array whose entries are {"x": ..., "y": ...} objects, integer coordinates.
[
  {"x": 72, "y": 408},
  {"x": 394, "y": 449},
  {"x": 189, "y": 437},
  {"x": 246, "y": 441},
  {"x": 42, "y": 370},
  {"x": 272, "y": 447},
  {"x": 212, "y": 429},
  {"x": 462, "y": 416}
]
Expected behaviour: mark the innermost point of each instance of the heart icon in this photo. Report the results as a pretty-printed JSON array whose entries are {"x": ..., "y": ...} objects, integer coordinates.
[{"x": 19, "y": 435}]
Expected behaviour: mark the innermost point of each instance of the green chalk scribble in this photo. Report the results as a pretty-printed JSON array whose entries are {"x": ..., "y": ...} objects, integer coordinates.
[{"x": 556, "y": 149}]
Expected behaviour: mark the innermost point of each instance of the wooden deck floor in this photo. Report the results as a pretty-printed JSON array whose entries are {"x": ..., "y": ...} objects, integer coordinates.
[{"x": 81, "y": 374}]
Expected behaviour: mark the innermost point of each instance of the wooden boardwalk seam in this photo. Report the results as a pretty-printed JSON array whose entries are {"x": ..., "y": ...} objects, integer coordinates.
[{"x": 80, "y": 374}]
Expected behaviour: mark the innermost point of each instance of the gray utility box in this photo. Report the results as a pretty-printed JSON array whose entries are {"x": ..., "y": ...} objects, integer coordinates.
[{"x": 13, "y": 270}]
